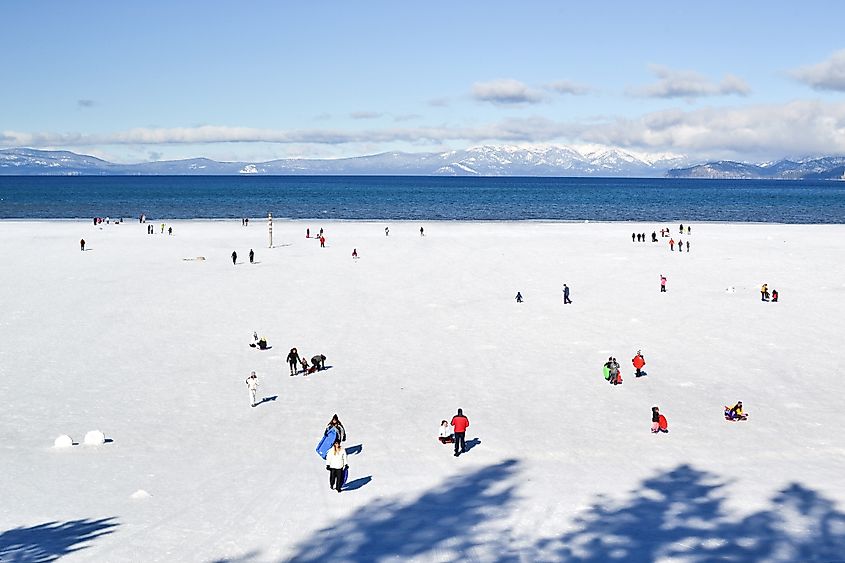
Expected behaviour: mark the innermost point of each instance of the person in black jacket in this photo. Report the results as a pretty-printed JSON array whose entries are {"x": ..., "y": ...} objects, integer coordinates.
[
  {"x": 338, "y": 427},
  {"x": 293, "y": 361}
]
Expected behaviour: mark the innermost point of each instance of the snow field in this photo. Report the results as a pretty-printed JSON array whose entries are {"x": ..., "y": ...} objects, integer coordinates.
[{"x": 130, "y": 336}]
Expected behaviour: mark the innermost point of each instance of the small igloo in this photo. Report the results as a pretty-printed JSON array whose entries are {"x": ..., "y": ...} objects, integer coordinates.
[
  {"x": 63, "y": 441},
  {"x": 95, "y": 438}
]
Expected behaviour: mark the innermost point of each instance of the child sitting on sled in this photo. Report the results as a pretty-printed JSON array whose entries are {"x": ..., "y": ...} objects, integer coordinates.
[
  {"x": 735, "y": 412},
  {"x": 446, "y": 433}
]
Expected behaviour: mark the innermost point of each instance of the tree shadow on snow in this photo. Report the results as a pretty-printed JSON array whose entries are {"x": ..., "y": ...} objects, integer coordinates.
[
  {"x": 441, "y": 520},
  {"x": 679, "y": 514},
  {"x": 357, "y": 483},
  {"x": 49, "y": 541},
  {"x": 248, "y": 556}
]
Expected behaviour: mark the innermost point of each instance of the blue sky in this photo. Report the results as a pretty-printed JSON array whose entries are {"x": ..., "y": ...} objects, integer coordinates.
[{"x": 256, "y": 80}]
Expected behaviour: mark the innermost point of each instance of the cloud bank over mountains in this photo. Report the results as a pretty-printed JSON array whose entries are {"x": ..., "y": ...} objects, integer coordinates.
[
  {"x": 523, "y": 113},
  {"x": 796, "y": 128}
]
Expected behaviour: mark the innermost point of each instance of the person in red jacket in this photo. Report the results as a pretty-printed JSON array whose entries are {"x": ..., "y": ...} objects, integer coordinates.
[
  {"x": 460, "y": 424},
  {"x": 639, "y": 362}
]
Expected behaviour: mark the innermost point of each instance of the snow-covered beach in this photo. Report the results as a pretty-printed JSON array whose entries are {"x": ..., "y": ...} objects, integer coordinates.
[{"x": 140, "y": 339}]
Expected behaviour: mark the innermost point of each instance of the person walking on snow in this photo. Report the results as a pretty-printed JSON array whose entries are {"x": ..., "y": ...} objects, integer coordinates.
[
  {"x": 566, "y": 300},
  {"x": 386, "y": 231},
  {"x": 252, "y": 385},
  {"x": 662, "y": 283},
  {"x": 422, "y": 232},
  {"x": 460, "y": 424},
  {"x": 322, "y": 241},
  {"x": 251, "y": 256},
  {"x": 354, "y": 253},
  {"x": 340, "y": 431},
  {"x": 518, "y": 297},
  {"x": 234, "y": 258},
  {"x": 293, "y": 361},
  {"x": 671, "y": 244},
  {"x": 82, "y": 245},
  {"x": 638, "y": 362},
  {"x": 336, "y": 464},
  {"x": 764, "y": 292},
  {"x": 687, "y": 246},
  {"x": 308, "y": 232}
]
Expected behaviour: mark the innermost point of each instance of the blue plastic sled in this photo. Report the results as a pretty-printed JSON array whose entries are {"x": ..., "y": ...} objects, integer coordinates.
[{"x": 327, "y": 442}]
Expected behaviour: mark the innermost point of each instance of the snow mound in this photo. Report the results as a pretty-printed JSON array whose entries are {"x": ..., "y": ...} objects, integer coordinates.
[
  {"x": 139, "y": 494},
  {"x": 95, "y": 438},
  {"x": 63, "y": 441}
]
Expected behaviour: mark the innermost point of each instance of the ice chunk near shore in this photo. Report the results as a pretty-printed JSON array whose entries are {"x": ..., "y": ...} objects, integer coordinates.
[
  {"x": 95, "y": 438},
  {"x": 63, "y": 441},
  {"x": 139, "y": 494}
]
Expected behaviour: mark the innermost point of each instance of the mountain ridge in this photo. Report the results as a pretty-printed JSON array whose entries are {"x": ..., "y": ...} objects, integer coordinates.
[{"x": 484, "y": 160}]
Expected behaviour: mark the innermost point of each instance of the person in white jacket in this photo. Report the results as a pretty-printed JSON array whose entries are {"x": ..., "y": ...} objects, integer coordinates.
[
  {"x": 446, "y": 436},
  {"x": 252, "y": 384},
  {"x": 336, "y": 463}
]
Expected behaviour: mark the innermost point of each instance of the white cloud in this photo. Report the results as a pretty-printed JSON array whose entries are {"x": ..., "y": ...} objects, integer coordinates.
[
  {"x": 769, "y": 131},
  {"x": 567, "y": 87},
  {"x": 826, "y": 75},
  {"x": 758, "y": 131},
  {"x": 365, "y": 115},
  {"x": 505, "y": 91},
  {"x": 689, "y": 84}
]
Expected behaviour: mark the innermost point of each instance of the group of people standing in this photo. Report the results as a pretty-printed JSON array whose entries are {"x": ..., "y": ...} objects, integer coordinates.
[{"x": 318, "y": 363}]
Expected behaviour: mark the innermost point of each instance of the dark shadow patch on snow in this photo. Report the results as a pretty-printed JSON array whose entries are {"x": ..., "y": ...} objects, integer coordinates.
[
  {"x": 357, "y": 483},
  {"x": 680, "y": 515},
  {"x": 352, "y": 450},
  {"x": 440, "y": 519},
  {"x": 52, "y": 540},
  {"x": 471, "y": 444},
  {"x": 108, "y": 441},
  {"x": 248, "y": 556},
  {"x": 266, "y": 400}
]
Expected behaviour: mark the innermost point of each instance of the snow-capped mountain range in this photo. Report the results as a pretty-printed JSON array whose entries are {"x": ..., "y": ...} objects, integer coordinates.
[{"x": 477, "y": 161}]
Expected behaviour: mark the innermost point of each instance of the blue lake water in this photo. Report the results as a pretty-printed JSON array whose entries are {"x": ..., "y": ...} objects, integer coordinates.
[{"x": 422, "y": 198}]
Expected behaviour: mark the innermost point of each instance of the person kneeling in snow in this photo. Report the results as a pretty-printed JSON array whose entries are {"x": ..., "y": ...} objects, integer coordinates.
[
  {"x": 735, "y": 412},
  {"x": 658, "y": 421},
  {"x": 318, "y": 363},
  {"x": 445, "y": 433}
]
